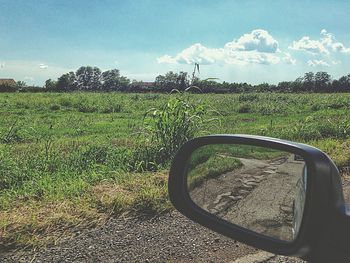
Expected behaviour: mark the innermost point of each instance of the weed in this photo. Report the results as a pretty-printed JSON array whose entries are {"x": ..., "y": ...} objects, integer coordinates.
[
  {"x": 54, "y": 107},
  {"x": 65, "y": 102},
  {"x": 250, "y": 97},
  {"x": 166, "y": 129},
  {"x": 13, "y": 134},
  {"x": 112, "y": 108},
  {"x": 86, "y": 107},
  {"x": 244, "y": 109}
]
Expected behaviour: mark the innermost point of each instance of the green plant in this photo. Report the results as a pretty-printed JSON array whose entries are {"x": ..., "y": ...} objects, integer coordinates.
[
  {"x": 165, "y": 130},
  {"x": 248, "y": 97},
  {"x": 245, "y": 108},
  {"x": 54, "y": 107},
  {"x": 214, "y": 166},
  {"x": 13, "y": 134},
  {"x": 112, "y": 108}
]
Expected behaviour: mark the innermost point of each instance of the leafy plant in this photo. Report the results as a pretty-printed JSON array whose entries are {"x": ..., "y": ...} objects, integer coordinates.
[
  {"x": 165, "y": 130},
  {"x": 244, "y": 109}
]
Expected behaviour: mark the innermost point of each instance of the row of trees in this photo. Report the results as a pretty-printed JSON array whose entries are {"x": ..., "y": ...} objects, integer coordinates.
[
  {"x": 89, "y": 79},
  {"x": 93, "y": 79},
  {"x": 310, "y": 82}
]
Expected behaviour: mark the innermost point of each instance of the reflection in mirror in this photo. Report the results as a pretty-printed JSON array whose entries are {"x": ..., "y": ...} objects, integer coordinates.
[{"x": 257, "y": 188}]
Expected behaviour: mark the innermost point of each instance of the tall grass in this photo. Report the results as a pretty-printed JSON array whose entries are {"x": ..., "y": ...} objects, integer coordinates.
[
  {"x": 165, "y": 130},
  {"x": 80, "y": 155}
]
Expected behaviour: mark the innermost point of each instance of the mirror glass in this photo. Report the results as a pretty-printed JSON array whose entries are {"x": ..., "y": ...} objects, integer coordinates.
[{"x": 257, "y": 188}]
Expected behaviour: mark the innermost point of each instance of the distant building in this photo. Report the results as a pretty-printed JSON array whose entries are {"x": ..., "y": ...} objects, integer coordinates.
[
  {"x": 8, "y": 82},
  {"x": 8, "y": 85}
]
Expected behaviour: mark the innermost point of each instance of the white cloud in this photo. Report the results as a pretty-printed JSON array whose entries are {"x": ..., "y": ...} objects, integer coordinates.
[
  {"x": 309, "y": 45},
  {"x": 329, "y": 41},
  {"x": 196, "y": 53},
  {"x": 288, "y": 58},
  {"x": 315, "y": 63},
  {"x": 166, "y": 59},
  {"x": 257, "y": 47},
  {"x": 250, "y": 57},
  {"x": 43, "y": 66},
  {"x": 325, "y": 45},
  {"x": 258, "y": 40}
]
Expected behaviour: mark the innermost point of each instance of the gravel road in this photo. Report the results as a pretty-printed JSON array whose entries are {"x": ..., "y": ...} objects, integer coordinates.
[{"x": 168, "y": 238}]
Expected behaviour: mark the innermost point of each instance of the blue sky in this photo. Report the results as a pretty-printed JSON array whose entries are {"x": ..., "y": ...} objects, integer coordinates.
[{"x": 237, "y": 41}]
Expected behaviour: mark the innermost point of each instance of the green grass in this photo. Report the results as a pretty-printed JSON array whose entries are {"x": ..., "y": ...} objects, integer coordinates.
[
  {"x": 74, "y": 149},
  {"x": 214, "y": 166},
  {"x": 214, "y": 160}
]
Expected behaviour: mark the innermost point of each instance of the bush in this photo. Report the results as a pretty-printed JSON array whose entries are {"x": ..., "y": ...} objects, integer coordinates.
[
  {"x": 244, "y": 109},
  {"x": 86, "y": 108},
  {"x": 54, "y": 107},
  {"x": 248, "y": 97},
  {"x": 165, "y": 131},
  {"x": 112, "y": 108},
  {"x": 8, "y": 88}
]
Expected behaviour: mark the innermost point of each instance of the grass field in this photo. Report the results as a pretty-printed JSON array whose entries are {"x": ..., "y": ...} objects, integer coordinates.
[{"x": 69, "y": 161}]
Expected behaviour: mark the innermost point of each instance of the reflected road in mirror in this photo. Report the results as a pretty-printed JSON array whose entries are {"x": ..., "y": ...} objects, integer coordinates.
[{"x": 257, "y": 188}]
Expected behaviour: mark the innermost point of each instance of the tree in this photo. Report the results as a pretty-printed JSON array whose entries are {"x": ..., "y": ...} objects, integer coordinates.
[
  {"x": 322, "y": 81},
  {"x": 21, "y": 84},
  {"x": 183, "y": 81},
  {"x": 167, "y": 82},
  {"x": 67, "y": 82},
  {"x": 343, "y": 84},
  {"x": 50, "y": 84},
  {"x": 111, "y": 80},
  {"x": 171, "y": 81},
  {"x": 285, "y": 86},
  {"x": 309, "y": 82},
  {"x": 88, "y": 78}
]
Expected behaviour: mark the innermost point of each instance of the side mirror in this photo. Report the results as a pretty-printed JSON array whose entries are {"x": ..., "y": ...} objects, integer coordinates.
[{"x": 267, "y": 193}]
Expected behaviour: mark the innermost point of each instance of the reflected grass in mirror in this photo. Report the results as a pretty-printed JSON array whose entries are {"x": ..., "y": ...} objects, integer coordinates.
[{"x": 214, "y": 166}]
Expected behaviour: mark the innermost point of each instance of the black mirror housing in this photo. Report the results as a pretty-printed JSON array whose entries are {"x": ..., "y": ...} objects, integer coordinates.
[{"x": 319, "y": 199}]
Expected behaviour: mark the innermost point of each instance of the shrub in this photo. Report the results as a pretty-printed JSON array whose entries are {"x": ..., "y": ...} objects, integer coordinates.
[
  {"x": 165, "y": 130},
  {"x": 244, "y": 109},
  {"x": 248, "y": 97},
  {"x": 8, "y": 88},
  {"x": 316, "y": 107},
  {"x": 54, "y": 107},
  {"x": 86, "y": 108},
  {"x": 112, "y": 108},
  {"x": 65, "y": 102}
]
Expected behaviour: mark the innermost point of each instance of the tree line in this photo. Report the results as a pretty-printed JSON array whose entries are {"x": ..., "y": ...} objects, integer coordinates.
[{"x": 92, "y": 79}]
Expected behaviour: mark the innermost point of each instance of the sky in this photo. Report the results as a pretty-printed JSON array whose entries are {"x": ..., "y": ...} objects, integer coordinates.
[{"x": 235, "y": 41}]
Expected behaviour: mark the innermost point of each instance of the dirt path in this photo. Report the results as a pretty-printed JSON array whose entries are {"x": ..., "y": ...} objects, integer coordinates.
[
  {"x": 169, "y": 238},
  {"x": 258, "y": 196}
]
